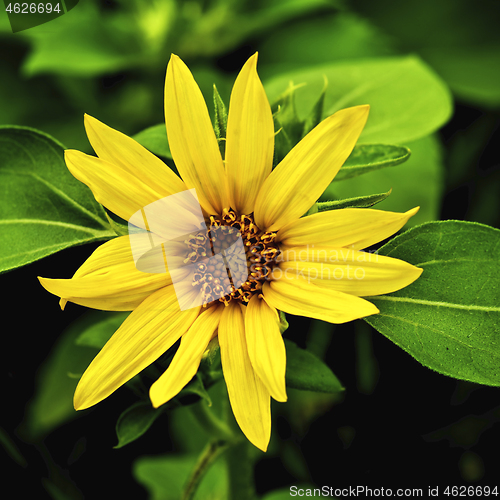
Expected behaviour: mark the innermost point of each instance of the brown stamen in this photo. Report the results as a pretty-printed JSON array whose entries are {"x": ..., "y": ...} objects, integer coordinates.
[{"x": 218, "y": 282}]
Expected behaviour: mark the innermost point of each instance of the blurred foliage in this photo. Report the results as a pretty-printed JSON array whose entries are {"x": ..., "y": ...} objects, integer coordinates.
[
  {"x": 53, "y": 404},
  {"x": 424, "y": 164},
  {"x": 411, "y": 61},
  {"x": 165, "y": 476},
  {"x": 458, "y": 38}
]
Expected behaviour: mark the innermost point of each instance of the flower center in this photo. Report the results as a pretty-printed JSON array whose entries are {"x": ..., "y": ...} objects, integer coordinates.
[{"x": 233, "y": 258}]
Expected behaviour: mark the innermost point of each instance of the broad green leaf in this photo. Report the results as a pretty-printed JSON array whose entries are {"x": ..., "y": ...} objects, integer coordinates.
[
  {"x": 119, "y": 228},
  {"x": 460, "y": 41},
  {"x": 165, "y": 476},
  {"x": 155, "y": 140},
  {"x": 319, "y": 40},
  {"x": 472, "y": 72},
  {"x": 135, "y": 421},
  {"x": 43, "y": 208},
  {"x": 97, "y": 327},
  {"x": 408, "y": 101},
  {"x": 306, "y": 372},
  {"x": 81, "y": 43},
  {"x": 449, "y": 319},
  {"x": 417, "y": 182},
  {"x": 359, "y": 202},
  {"x": 52, "y": 404},
  {"x": 368, "y": 157}
]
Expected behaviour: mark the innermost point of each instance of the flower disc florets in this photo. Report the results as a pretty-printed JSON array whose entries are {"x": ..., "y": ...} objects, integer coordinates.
[{"x": 247, "y": 270}]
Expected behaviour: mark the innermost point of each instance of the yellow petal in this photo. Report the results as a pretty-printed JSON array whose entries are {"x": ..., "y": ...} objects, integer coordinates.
[
  {"x": 108, "y": 280},
  {"x": 249, "y": 398},
  {"x": 356, "y": 228},
  {"x": 192, "y": 139},
  {"x": 144, "y": 336},
  {"x": 118, "y": 190},
  {"x": 295, "y": 295},
  {"x": 187, "y": 358},
  {"x": 250, "y": 139},
  {"x": 128, "y": 155},
  {"x": 266, "y": 348},
  {"x": 306, "y": 171},
  {"x": 349, "y": 271}
]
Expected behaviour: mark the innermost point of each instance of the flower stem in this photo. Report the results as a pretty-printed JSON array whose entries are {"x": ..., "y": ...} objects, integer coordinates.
[
  {"x": 240, "y": 465},
  {"x": 240, "y": 460},
  {"x": 208, "y": 456}
]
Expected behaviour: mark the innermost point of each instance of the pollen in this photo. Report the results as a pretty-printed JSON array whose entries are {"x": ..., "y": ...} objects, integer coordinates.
[{"x": 245, "y": 259}]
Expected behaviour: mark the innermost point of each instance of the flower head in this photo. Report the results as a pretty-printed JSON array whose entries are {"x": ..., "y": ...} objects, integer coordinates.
[{"x": 310, "y": 266}]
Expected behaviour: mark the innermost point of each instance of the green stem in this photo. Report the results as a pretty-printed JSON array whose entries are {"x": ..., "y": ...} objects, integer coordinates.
[
  {"x": 240, "y": 463},
  {"x": 240, "y": 459},
  {"x": 207, "y": 458},
  {"x": 238, "y": 453}
]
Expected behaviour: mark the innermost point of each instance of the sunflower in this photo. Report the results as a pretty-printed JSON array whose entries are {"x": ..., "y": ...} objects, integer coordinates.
[{"x": 310, "y": 265}]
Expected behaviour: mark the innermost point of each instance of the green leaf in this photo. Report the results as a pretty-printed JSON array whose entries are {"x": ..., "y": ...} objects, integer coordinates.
[
  {"x": 187, "y": 432},
  {"x": 368, "y": 157},
  {"x": 119, "y": 228},
  {"x": 82, "y": 43},
  {"x": 155, "y": 140},
  {"x": 165, "y": 477},
  {"x": 289, "y": 128},
  {"x": 449, "y": 319},
  {"x": 52, "y": 404},
  {"x": 135, "y": 421},
  {"x": 220, "y": 116},
  {"x": 283, "y": 322},
  {"x": 228, "y": 24},
  {"x": 317, "y": 112},
  {"x": 461, "y": 42},
  {"x": 306, "y": 372},
  {"x": 97, "y": 327},
  {"x": 322, "y": 39},
  {"x": 472, "y": 71},
  {"x": 43, "y": 208},
  {"x": 408, "y": 101},
  {"x": 220, "y": 121},
  {"x": 418, "y": 182},
  {"x": 196, "y": 387},
  {"x": 359, "y": 202}
]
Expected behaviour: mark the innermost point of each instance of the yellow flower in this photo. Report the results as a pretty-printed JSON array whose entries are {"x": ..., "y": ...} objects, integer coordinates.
[{"x": 308, "y": 266}]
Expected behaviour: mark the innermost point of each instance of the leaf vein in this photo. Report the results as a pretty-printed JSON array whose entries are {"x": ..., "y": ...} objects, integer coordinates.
[{"x": 438, "y": 303}]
